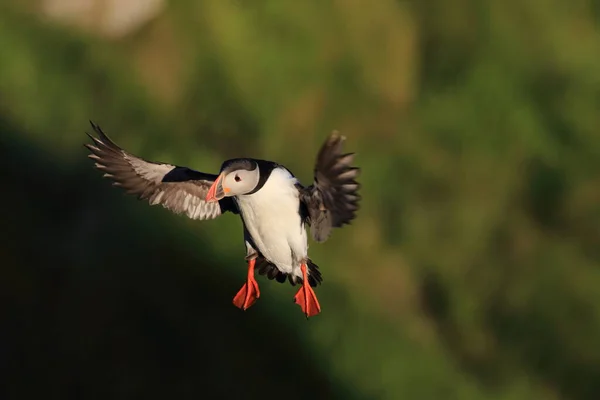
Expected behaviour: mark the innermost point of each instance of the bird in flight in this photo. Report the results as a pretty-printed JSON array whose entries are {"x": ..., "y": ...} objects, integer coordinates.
[{"x": 275, "y": 208}]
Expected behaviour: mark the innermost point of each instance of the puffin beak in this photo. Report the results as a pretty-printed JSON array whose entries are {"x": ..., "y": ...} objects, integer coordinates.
[{"x": 216, "y": 191}]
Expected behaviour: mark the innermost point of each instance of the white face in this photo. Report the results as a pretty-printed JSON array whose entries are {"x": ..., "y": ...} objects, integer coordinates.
[{"x": 239, "y": 182}]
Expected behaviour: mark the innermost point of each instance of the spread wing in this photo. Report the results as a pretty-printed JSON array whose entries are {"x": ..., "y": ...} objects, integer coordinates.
[
  {"x": 332, "y": 200},
  {"x": 179, "y": 189}
]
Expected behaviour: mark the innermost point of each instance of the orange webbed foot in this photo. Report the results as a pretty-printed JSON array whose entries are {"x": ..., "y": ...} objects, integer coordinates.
[
  {"x": 306, "y": 297},
  {"x": 249, "y": 292}
]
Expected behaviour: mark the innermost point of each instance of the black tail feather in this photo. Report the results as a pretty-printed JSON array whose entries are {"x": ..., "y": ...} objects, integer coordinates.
[{"x": 268, "y": 269}]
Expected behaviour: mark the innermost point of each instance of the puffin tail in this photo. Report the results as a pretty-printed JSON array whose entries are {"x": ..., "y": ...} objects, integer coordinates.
[
  {"x": 268, "y": 269},
  {"x": 314, "y": 275}
]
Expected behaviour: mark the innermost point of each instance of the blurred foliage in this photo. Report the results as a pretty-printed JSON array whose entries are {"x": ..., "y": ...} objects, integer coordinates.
[{"x": 472, "y": 271}]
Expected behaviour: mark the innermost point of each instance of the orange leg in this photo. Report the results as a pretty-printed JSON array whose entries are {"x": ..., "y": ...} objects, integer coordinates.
[
  {"x": 306, "y": 297},
  {"x": 249, "y": 292}
]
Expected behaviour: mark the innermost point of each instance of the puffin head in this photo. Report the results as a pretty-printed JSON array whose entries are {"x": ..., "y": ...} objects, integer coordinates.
[{"x": 238, "y": 176}]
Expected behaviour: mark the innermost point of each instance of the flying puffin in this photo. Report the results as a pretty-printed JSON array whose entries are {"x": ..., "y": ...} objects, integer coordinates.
[{"x": 274, "y": 207}]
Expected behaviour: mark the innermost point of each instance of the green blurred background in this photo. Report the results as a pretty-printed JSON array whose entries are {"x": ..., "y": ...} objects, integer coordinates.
[{"x": 471, "y": 272}]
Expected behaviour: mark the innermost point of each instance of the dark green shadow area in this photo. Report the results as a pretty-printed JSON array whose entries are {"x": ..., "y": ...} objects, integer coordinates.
[{"x": 100, "y": 304}]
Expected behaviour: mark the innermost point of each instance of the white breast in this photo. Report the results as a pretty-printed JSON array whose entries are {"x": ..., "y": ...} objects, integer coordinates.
[{"x": 272, "y": 219}]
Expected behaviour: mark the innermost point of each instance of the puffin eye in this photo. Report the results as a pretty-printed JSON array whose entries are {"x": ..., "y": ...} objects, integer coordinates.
[{"x": 237, "y": 178}]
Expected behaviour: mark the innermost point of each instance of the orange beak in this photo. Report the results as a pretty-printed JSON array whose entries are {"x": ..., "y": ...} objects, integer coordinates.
[{"x": 216, "y": 192}]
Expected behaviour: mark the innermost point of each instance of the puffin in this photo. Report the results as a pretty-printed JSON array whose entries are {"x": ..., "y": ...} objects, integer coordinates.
[{"x": 276, "y": 210}]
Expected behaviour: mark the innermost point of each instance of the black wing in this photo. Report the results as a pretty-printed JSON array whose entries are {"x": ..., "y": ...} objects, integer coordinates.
[
  {"x": 332, "y": 200},
  {"x": 179, "y": 189}
]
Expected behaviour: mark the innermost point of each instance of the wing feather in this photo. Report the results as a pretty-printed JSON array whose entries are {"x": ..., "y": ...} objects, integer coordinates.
[
  {"x": 178, "y": 189},
  {"x": 332, "y": 200}
]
